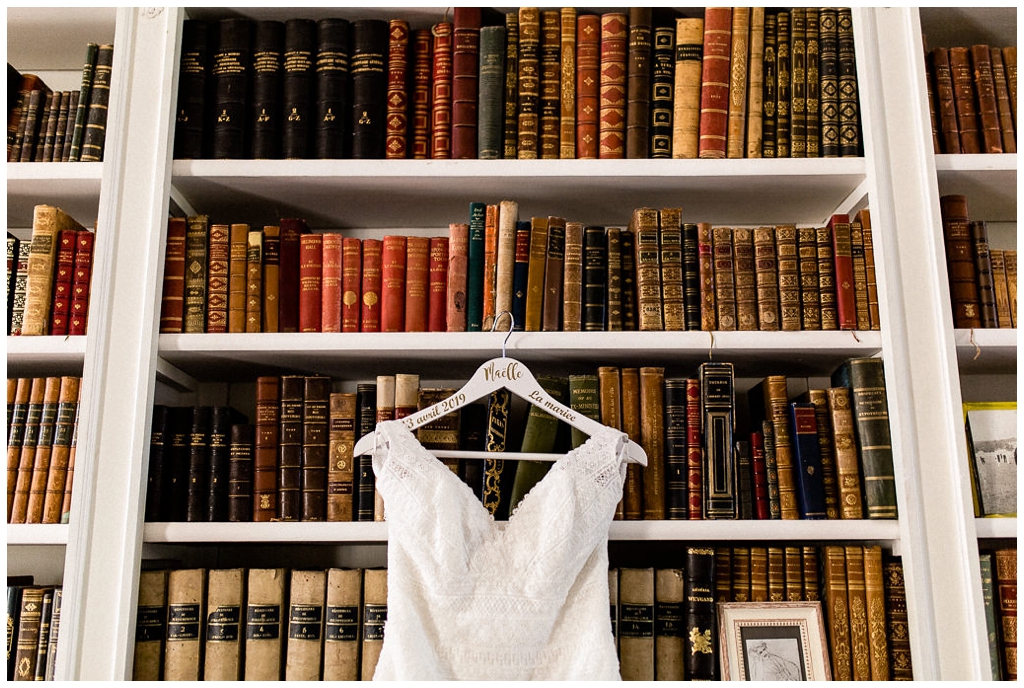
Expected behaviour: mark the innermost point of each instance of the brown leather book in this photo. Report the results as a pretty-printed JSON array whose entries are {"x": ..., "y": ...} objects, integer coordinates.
[
  {"x": 47, "y": 223},
  {"x": 394, "y": 254},
  {"x": 706, "y": 266},
  {"x": 809, "y": 559},
  {"x": 375, "y": 614},
  {"x": 288, "y": 281},
  {"x": 341, "y": 469},
  {"x": 636, "y": 624},
  {"x": 307, "y": 594},
  {"x": 688, "y": 78},
  {"x": 798, "y": 82},
  {"x": 860, "y": 275},
  {"x": 985, "y": 99},
  {"x": 738, "y": 82},
  {"x": 549, "y": 122},
  {"x": 458, "y": 266},
  {"x": 788, "y": 266},
  {"x": 396, "y": 128},
  {"x": 652, "y": 438},
  {"x": 1006, "y": 608},
  {"x": 755, "y": 84},
  {"x": 668, "y": 624},
  {"x": 745, "y": 278},
  {"x": 776, "y": 574},
  {"x": 268, "y": 409},
  {"x": 510, "y": 134},
  {"x": 963, "y": 285},
  {"x": 878, "y": 642},
  {"x": 64, "y": 268},
  {"x": 897, "y": 622},
  {"x": 150, "y": 625},
  {"x": 945, "y": 103},
  {"x": 420, "y": 100},
  {"x": 638, "y": 82},
  {"x": 535, "y": 280},
  {"x": 773, "y": 391},
  {"x": 222, "y": 641},
  {"x": 1004, "y": 106},
  {"x": 837, "y": 612},
  {"x": 465, "y": 80},
  {"x": 792, "y": 564},
  {"x": 238, "y": 246},
  {"x": 217, "y": 274},
  {"x": 723, "y": 574},
  {"x": 632, "y": 425},
  {"x": 528, "y": 66},
  {"x": 588, "y": 85},
  {"x": 289, "y": 449},
  {"x": 671, "y": 257},
  {"x": 196, "y": 257},
  {"x": 437, "y": 284},
  {"x": 186, "y": 605},
  {"x": 264, "y": 618},
  {"x": 342, "y": 624},
  {"x": 609, "y": 390},
  {"x": 740, "y": 565},
  {"x": 554, "y": 266},
  {"x": 490, "y": 265},
  {"x": 172, "y": 301},
  {"x": 863, "y": 216},
  {"x": 567, "y": 99},
  {"x": 767, "y": 277},
  {"x": 807, "y": 269},
  {"x": 330, "y": 286},
  {"x": 813, "y": 83},
  {"x": 724, "y": 280},
  {"x": 964, "y": 100},
  {"x": 714, "y": 96},
  {"x": 827, "y": 279},
  {"x": 758, "y": 574},
  {"x": 572, "y": 278},
  {"x": 254, "y": 281},
  {"x": 441, "y": 91},
  {"x": 860, "y": 653},
  {"x": 40, "y": 468},
  {"x": 56, "y": 479},
  {"x": 23, "y": 458},
  {"x": 983, "y": 272},
  {"x": 847, "y": 459},
  {"x": 315, "y": 446},
  {"x": 417, "y": 284},
  {"x": 311, "y": 259},
  {"x": 826, "y": 449},
  {"x": 644, "y": 225},
  {"x": 1010, "y": 260},
  {"x": 997, "y": 257},
  {"x": 612, "y": 111},
  {"x": 23, "y": 640}
]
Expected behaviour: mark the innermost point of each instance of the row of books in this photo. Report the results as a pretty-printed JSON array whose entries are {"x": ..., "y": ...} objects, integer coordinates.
[
  {"x": 45, "y": 125},
  {"x": 972, "y": 99},
  {"x": 42, "y": 430},
  {"x": 525, "y": 83},
  {"x": 818, "y": 454},
  {"x": 49, "y": 276},
  {"x": 999, "y": 593},
  {"x": 982, "y": 280},
  {"x": 657, "y": 273},
  {"x": 33, "y": 626}
]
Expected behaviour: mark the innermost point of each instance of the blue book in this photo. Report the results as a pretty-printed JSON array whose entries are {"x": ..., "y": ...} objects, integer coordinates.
[
  {"x": 810, "y": 488},
  {"x": 475, "y": 267}
]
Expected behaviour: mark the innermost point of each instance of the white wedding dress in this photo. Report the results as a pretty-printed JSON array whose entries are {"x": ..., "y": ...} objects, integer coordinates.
[{"x": 473, "y": 598}]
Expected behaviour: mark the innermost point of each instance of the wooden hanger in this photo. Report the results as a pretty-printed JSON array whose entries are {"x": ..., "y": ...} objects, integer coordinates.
[{"x": 515, "y": 376}]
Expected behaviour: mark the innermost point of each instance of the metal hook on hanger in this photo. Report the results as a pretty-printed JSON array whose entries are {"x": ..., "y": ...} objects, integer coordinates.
[{"x": 511, "y": 326}]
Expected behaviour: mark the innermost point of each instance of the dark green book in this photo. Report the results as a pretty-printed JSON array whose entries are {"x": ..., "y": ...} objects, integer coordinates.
[
  {"x": 84, "y": 94},
  {"x": 491, "y": 110},
  {"x": 475, "y": 269},
  {"x": 539, "y": 436},
  {"x": 583, "y": 397},
  {"x": 991, "y": 622}
]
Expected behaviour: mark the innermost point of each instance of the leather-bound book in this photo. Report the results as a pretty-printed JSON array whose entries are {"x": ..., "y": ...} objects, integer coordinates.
[
  {"x": 150, "y": 625},
  {"x": 813, "y": 81},
  {"x": 613, "y": 298},
  {"x": 186, "y": 612},
  {"x": 47, "y": 631},
  {"x": 437, "y": 284},
  {"x": 829, "y": 69},
  {"x": 788, "y": 267},
  {"x": 669, "y": 630},
  {"x": 688, "y": 80},
  {"x": 489, "y": 278},
  {"x": 612, "y": 110},
  {"x": 331, "y": 109},
  {"x": 351, "y": 283},
  {"x": 42, "y": 118},
  {"x": 289, "y": 448},
  {"x": 50, "y": 134},
  {"x": 632, "y": 425},
  {"x": 370, "y": 310},
  {"x": 417, "y": 280},
  {"x": 638, "y": 82},
  {"x": 40, "y": 468},
  {"x": 23, "y": 456},
  {"x": 983, "y": 270},
  {"x": 584, "y": 397},
  {"x": 535, "y": 279},
  {"x": 691, "y": 277},
  {"x": 441, "y": 91},
  {"x": 264, "y": 474},
  {"x": 1006, "y": 600},
  {"x": 827, "y": 293},
  {"x": 964, "y": 102},
  {"x": 540, "y": 435},
  {"x": 315, "y": 446},
  {"x": 341, "y": 463},
  {"x": 65, "y": 509},
  {"x": 849, "y": 98},
  {"x": 267, "y": 105},
  {"x": 740, "y": 584},
  {"x": 465, "y": 81},
  {"x": 652, "y": 419},
  {"x": 197, "y": 261},
  {"x": 1004, "y": 107},
  {"x": 671, "y": 255},
  {"x": 769, "y": 78},
  {"x": 809, "y": 561},
  {"x": 297, "y": 87},
  {"x": 860, "y": 656},
  {"x": 694, "y": 449},
  {"x": 636, "y": 624},
  {"x": 222, "y": 643},
  {"x": 776, "y": 574},
  {"x": 288, "y": 275},
  {"x": 458, "y": 269},
  {"x": 190, "y": 129},
  {"x": 307, "y": 594},
  {"x": 311, "y": 256},
  {"x": 724, "y": 279},
  {"x": 755, "y": 85},
  {"x": 745, "y": 278},
  {"x": 792, "y": 563},
  {"x": 23, "y": 638},
  {"x": 860, "y": 274},
  {"x": 238, "y": 245},
  {"x": 264, "y": 615},
  {"x": 551, "y": 308},
  {"x": 375, "y": 615},
  {"x": 490, "y": 111},
  {"x": 64, "y": 268},
  {"x": 644, "y": 224},
  {"x": 676, "y": 473},
  {"x": 420, "y": 94},
  {"x": 498, "y": 475},
  {"x": 476, "y": 266},
  {"x": 64, "y": 424},
  {"x": 230, "y": 71},
  {"x": 330, "y": 286},
  {"x": 369, "y": 87},
  {"x": 342, "y": 624},
  {"x": 254, "y": 281},
  {"x": 706, "y": 268},
  {"x": 34, "y": 111},
  {"x": 758, "y": 574},
  {"x": 842, "y": 252},
  {"x": 198, "y": 464},
  {"x": 47, "y": 224},
  {"x": 219, "y": 462},
  {"x": 715, "y": 83},
  {"x": 176, "y": 461},
  {"x": 783, "y": 84},
  {"x": 504, "y": 277},
  {"x": 19, "y": 281},
  {"x": 759, "y": 477},
  {"x": 723, "y": 574},
  {"x": 567, "y": 77},
  {"x": 241, "y": 456},
  {"x": 95, "y": 133},
  {"x": 988, "y": 593},
  {"x": 769, "y": 400},
  {"x": 1010, "y": 261},
  {"x": 396, "y": 143},
  {"x": 510, "y": 128},
  {"x": 874, "y": 590},
  {"x": 837, "y": 611},
  {"x": 897, "y": 621},
  {"x": 826, "y": 449},
  {"x": 847, "y": 461},
  {"x": 528, "y": 95},
  {"x": 866, "y": 380},
  {"x": 944, "y": 101},
  {"x": 738, "y": 65},
  {"x": 629, "y": 297},
  {"x": 588, "y": 85},
  {"x": 549, "y": 123},
  {"x": 1002, "y": 292},
  {"x": 572, "y": 278},
  {"x": 720, "y": 478},
  {"x": 218, "y": 254},
  {"x": 810, "y": 490},
  {"x": 807, "y": 270},
  {"x": 366, "y": 420},
  {"x": 798, "y": 82},
  {"x": 609, "y": 391},
  {"x": 472, "y": 437},
  {"x": 701, "y": 646},
  {"x": 595, "y": 277},
  {"x": 863, "y": 216},
  {"x": 80, "y": 282},
  {"x": 663, "y": 70}
]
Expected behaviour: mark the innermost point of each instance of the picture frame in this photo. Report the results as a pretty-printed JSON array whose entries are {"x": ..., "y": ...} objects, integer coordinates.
[
  {"x": 991, "y": 429},
  {"x": 772, "y": 641}
]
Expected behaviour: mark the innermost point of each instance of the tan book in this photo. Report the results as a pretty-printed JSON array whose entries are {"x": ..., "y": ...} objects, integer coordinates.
[
  {"x": 755, "y": 83},
  {"x": 738, "y": 82},
  {"x": 254, "y": 281},
  {"x": 864, "y": 217},
  {"x": 776, "y": 574},
  {"x": 186, "y": 602},
  {"x": 874, "y": 586},
  {"x": 407, "y": 394},
  {"x": 609, "y": 392},
  {"x": 812, "y": 590},
  {"x": 150, "y": 626},
  {"x": 264, "y": 611},
  {"x": 644, "y": 225},
  {"x": 26, "y": 455},
  {"x": 652, "y": 439},
  {"x": 856, "y": 592},
  {"x": 1010, "y": 261},
  {"x": 1001, "y": 289},
  {"x": 303, "y": 653},
  {"x": 776, "y": 400},
  {"x": 860, "y": 275},
  {"x": 44, "y": 451},
  {"x": 633, "y": 492},
  {"x": 669, "y": 630},
  {"x": 225, "y": 598},
  {"x": 745, "y": 278},
  {"x": 788, "y": 268},
  {"x": 767, "y": 278},
  {"x": 671, "y": 240},
  {"x": 238, "y": 247},
  {"x": 706, "y": 268},
  {"x": 271, "y": 278},
  {"x": 827, "y": 280},
  {"x": 758, "y": 574},
  {"x": 341, "y": 470},
  {"x": 47, "y": 223},
  {"x": 686, "y": 99},
  {"x": 572, "y": 278},
  {"x": 15, "y": 436},
  {"x": 725, "y": 285},
  {"x": 807, "y": 268},
  {"x": 636, "y": 624},
  {"x": 217, "y": 275},
  {"x": 837, "y": 612},
  {"x": 343, "y": 624},
  {"x": 847, "y": 461},
  {"x": 375, "y": 614},
  {"x": 535, "y": 276},
  {"x": 741, "y": 574},
  {"x": 793, "y": 563},
  {"x": 508, "y": 214}
]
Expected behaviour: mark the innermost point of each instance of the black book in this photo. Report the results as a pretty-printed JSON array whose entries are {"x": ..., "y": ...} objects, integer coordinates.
[
  {"x": 155, "y": 481},
  {"x": 267, "y": 72},
  {"x": 744, "y": 469},
  {"x": 331, "y": 106},
  {"x": 595, "y": 277},
  {"x": 218, "y": 476},
  {"x": 663, "y": 70},
  {"x": 628, "y": 279},
  {"x": 95, "y": 133},
  {"x": 13, "y": 621},
  {"x": 691, "y": 277},
  {"x": 174, "y": 505},
  {"x": 299, "y": 56},
  {"x": 770, "y": 76},
  {"x": 473, "y": 437},
  {"x": 231, "y": 67},
  {"x": 366, "y": 408},
  {"x": 369, "y": 86},
  {"x": 701, "y": 643},
  {"x": 189, "y": 130},
  {"x": 718, "y": 403},
  {"x": 240, "y": 472},
  {"x": 499, "y": 475},
  {"x": 676, "y": 486},
  {"x": 198, "y": 463}
]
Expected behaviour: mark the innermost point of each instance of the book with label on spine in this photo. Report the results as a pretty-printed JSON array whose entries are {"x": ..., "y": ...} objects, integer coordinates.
[
  {"x": 230, "y": 69},
  {"x": 510, "y": 135},
  {"x": 671, "y": 258},
  {"x": 465, "y": 81},
  {"x": 315, "y": 422},
  {"x": 783, "y": 84},
  {"x": 633, "y": 492},
  {"x": 1005, "y": 560},
  {"x": 150, "y": 625},
  {"x": 528, "y": 94},
  {"x": 265, "y": 607},
  {"x": 652, "y": 439},
  {"x": 331, "y": 108},
  {"x": 342, "y": 624},
  {"x": 370, "y": 308},
  {"x": 636, "y": 624},
  {"x": 95, "y": 132},
  {"x": 662, "y": 90},
  {"x": 441, "y": 91},
  {"x": 330, "y": 303},
  {"x": 368, "y": 84},
  {"x": 265, "y": 108},
  {"x": 720, "y": 478},
  {"x": 686, "y": 104},
  {"x": 798, "y": 82},
  {"x": 588, "y": 85},
  {"x": 676, "y": 473},
  {"x": 567, "y": 76},
  {"x": 613, "y": 94},
  {"x": 849, "y": 100},
  {"x": 807, "y": 460},
  {"x": 268, "y": 410},
  {"x": 475, "y": 266},
  {"x": 715, "y": 86},
  {"x": 638, "y": 82},
  {"x": 375, "y": 614},
  {"x": 196, "y": 265},
  {"x": 190, "y": 131},
  {"x": 222, "y": 645},
  {"x": 549, "y": 122},
  {"x": 701, "y": 644},
  {"x": 458, "y": 274},
  {"x": 240, "y": 472},
  {"x": 311, "y": 257},
  {"x": 341, "y": 467},
  {"x": 186, "y": 611},
  {"x": 417, "y": 284},
  {"x": 396, "y": 143},
  {"x": 490, "y": 111},
  {"x": 366, "y": 420},
  {"x": 304, "y": 646}
]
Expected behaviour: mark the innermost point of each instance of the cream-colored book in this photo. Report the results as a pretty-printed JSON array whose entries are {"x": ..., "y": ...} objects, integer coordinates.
[
  {"x": 225, "y": 594},
  {"x": 264, "y": 611},
  {"x": 343, "y": 624}
]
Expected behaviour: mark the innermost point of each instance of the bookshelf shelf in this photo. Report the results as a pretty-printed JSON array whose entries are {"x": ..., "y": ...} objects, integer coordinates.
[
  {"x": 29, "y": 356},
  {"x": 54, "y": 38},
  {"x": 996, "y": 527},
  {"x": 988, "y": 181},
  {"x": 37, "y": 534},
  {"x": 74, "y": 186},
  {"x": 986, "y": 350}
]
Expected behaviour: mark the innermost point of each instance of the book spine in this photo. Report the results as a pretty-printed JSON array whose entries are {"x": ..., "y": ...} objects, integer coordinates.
[
  {"x": 943, "y": 100},
  {"x": 186, "y": 611},
  {"x": 595, "y": 277},
  {"x": 341, "y": 467},
  {"x": 860, "y": 275},
  {"x": 636, "y": 624},
  {"x": 755, "y": 82},
  {"x": 264, "y": 115},
  {"x": 807, "y": 460},
  {"x": 535, "y": 280},
  {"x": 694, "y": 449},
  {"x": 196, "y": 257},
  {"x": 351, "y": 287},
  {"x": 1002, "y": 291},
  {"x": 307, "y": 593},
  {"x": 264, "y": 616},
  {"x": 829, "y": 68},
  {"x": 676, "y": 474},
  {"x": 510, "y": 134},
  {"x": 724, "y": 278},
  {"x": 370, "y": 310},
  {"x": 297, "y": 87},
  {"x": 629, "y": 297},
  {"x": 289, "y": 449},
  {"x": 238, "y": 245},
  {"x": 964, "y": 101},
  {"x": 331, "y": 105},
  {"x": 776, "y": 405},
  {"x": 663, "y": 69},
  {"x": 842, "y": 251},
  {"x": 475, "y": 266},
  {"x": 396, "y": 143},
  {"x": 648, "y": 269},
  {"x": 588, "y": 85},
  {"x": 813, "y": 72},
  {"x": 847, "y": 462},
  {"x": 375, "y": 614},
  {"x": 549, "y": 122},
  {"x": 95, "y": 133},
  {"x": 783, "y": 84},
  {"x": 230, "y": 71},
  {"x": 798, "y": 82},
  {"x": 265, "y": 449},
  {"x": 983, "y": 273},
  {"x": 241, "y": 457},
  {"x": 490, "y": 285},
  {"x": 652, "y": 438},
  {"x": 64, "y": 268},
  {"x": 288, "y": 273},
  {"x": 860, "y": 657},
  {"x": 826, "y": 449},
  {"x": 47, "y": 223},
  {"x": 417, "y": 284},
  {"x": 567, "y": 76},
  {"x": 849, "y": 99},
  {"x": 490, "y": 112},
  {"x": 788, "y": 266},
  {"x": 638, "y": 82},
  {"x": 504, "y": 292},
  {"x": 217, "y": 278},
  {"x": 366, "y": 420},
  {"x": 254, "y": 281},
  {"x": 1006, "y": 595},
  {"x": 330, "y": 302},
  {"x": 719, "y": 470},
  {"x": 369, "y": 87},
  {"x": 222, "y": 644},
  {"x": 688, "y": 79},
  {"x": 311, "y": 256},
  {"x": 64, "y": 424},
  {"x": 699, "y": 614},
  {"x": 342, "y": 624},
  {"x": 633, "y": 493},
  {"x": 528, "y": 64},
  {"x": 441, "y": 91},
  {"x": 315, "y": 445},
  {"x": 218, "y": 463},
  {"x": 745, "y": 276},
  {"x": 437, "y": 284},
  {"x": 422, "y": 71},
  {"x": 458, "y": 267},
  {"x": 807, "y": 269},
  {"x": 551, "y": 303},
  {"x": 25, "y": 637},
  {"x": 671, "y": 256},
  {"x": 897, "y": 621},
  {"x": 38, "y": 471},
  {"x": 706, "y": 268},
  {"x": 150, "y": 625},
  {"x": 714, "y": 95},
  {"x": 465, "y": 82},
  {"x": 759, "y": 480},
  {"x": 190, "y": 130},
  {"x": 613, "y": 293},
  {"x": 1004, "y": 108},
  {"x": 612, "y": 111},
  {"x": 198, "y": 464},
  {"x": 874, "y": 595},
  {"x": 837, "y": 611},
  {"x": 738, "y": 67}
]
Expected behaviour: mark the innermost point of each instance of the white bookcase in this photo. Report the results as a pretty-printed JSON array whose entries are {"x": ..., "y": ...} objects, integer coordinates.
[{"x": 930, "y": 367}]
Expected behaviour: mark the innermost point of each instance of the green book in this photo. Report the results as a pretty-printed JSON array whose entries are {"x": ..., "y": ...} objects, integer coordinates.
[
  {"x": 539, "y": 436},
  {"x": 584, "y": 397},
  {"x": 82, "y": 112},
  {"x": 491, "y": 112},
  {"x": 988, "y": 599}
]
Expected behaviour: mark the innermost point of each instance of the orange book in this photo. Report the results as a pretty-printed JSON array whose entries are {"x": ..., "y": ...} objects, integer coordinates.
[
  {"x": 417, "y": 283},
  {"x": 330, "y": 303},
  {"x": 392, "y": 285}
]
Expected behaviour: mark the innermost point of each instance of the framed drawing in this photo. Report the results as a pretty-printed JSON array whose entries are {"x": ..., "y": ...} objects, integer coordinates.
[
  {"x": 772, "y": 641},
  {"x": 991, "y": 429}
]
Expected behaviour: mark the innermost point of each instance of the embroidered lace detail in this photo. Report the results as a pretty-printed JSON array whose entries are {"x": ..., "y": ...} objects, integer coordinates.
[{"x": 472, "y": 598}]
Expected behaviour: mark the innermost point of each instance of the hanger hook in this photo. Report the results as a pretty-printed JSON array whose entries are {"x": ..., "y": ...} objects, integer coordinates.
[{"x": 511, "y": 326}]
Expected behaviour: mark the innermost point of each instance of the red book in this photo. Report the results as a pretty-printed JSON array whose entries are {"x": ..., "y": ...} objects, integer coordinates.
[
  {"x": 351, "y": 283},
  {"x": 288, "y": 274},
  {"x": 417, "y": 283},
  {"x": 465, "y": 68},
  {"x": 80, "y": 282},
  {"x": 441, "y": 93},
  {"x": 438, "y": 291},
  {"x": 60, "y": 311},
  {"x": 369, "y": 315},
  {"x": 330, "y": 304},
  {"x": 694, "y": 452},
  {"x": 172, "y": 303},
  {"x": 714, "y": 90},
  {"x": 842, "y": 249},
  {"x": 588, "y": 84},
  {"x": 458, "y": 275},
  {"x": 396, "y": 128},
  {"x": 422, "y": 70},
  {"x": 392, "y": 284},
  {"x": 759, "y": 479},
  {"x": 612, "y": 114},
  {"x": 311, "y": 255}
]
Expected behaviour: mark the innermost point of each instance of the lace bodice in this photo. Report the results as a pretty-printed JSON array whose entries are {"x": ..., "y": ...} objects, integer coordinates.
[{"x": 474, "y": 598}]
